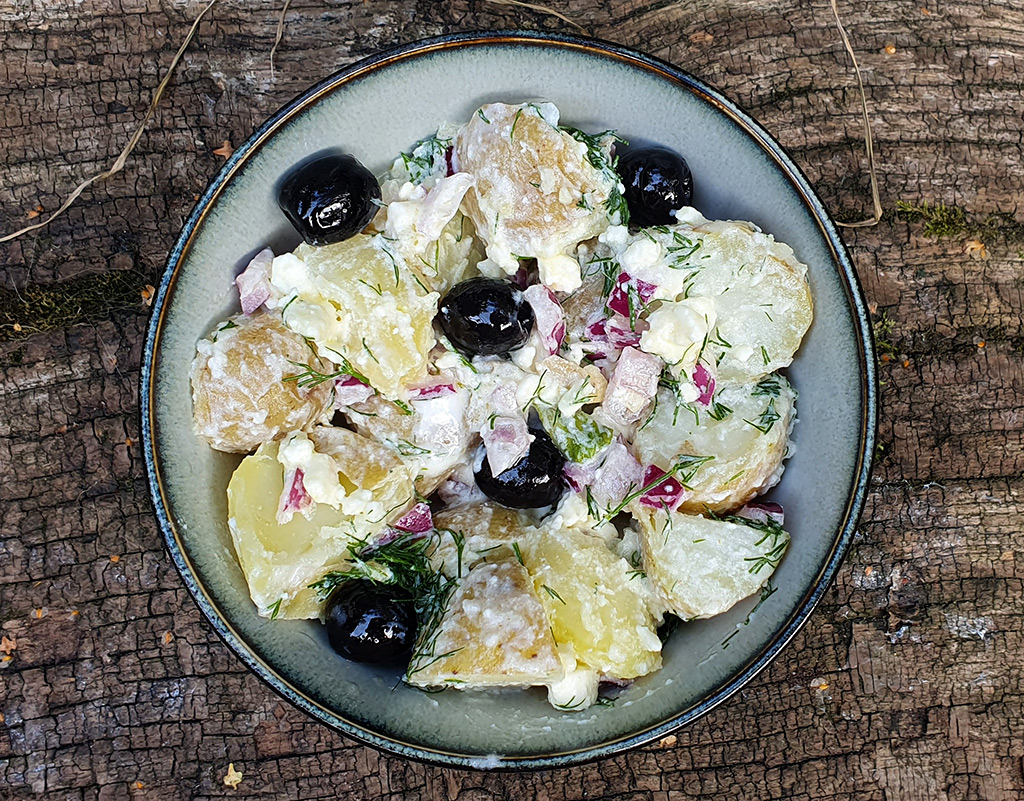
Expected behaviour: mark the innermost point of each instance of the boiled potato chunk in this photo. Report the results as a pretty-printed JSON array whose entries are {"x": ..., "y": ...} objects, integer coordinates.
[
  {"x": 485, "y": 531},
  {"x": 239, "y": 396},
  {"x": 360, "y": 303},
  {"x": 354, "y": 473},
  {"x": 762, "y": 297},
  {"x": 700, "y": 566},
  {"x": 597, "y": 604},
  {"x": 745, "y": 431},
  {"x": 536, "y": 193},
  {"x": 452, "y": 258},
  {"x": 280, "y": 561},
  {"x": 494, "y": 633},
  {"x": 746, "y": 296}
]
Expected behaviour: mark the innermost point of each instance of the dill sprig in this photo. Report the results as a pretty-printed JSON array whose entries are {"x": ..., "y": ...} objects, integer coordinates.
[
  {"x": 772, "y": 533},
  {"x": 597, "y": 154},
  {"x": 768, "y": 418},
  {"x": 404, "y": 563},
  {"x": 311, "y": 377},
  {"x": 769, "y": 385},
  {"x": 426, "y": 158},
  {"x": 718, "y": 411},
  {"x": 683, "y": 471}
]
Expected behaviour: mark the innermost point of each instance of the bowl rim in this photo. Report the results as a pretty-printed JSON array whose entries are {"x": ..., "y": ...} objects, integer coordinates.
[{"x": 868, "y": 423}]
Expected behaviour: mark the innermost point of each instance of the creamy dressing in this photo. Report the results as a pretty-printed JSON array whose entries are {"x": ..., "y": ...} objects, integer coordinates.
[{"x": 459, "y": 411}]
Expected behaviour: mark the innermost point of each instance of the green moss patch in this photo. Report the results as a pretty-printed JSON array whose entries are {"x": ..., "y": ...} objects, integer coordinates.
[
  {"x": 952, "y": 222},
  {"x": 45, "y": 307}
]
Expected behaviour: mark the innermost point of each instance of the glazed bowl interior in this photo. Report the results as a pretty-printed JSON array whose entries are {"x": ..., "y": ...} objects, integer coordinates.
[{"x": 375, "y": 110}]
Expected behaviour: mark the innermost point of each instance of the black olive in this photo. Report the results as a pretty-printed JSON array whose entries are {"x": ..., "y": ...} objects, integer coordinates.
[
  {"x": 367, "y": 623},
  {"x": 329, "y": 199},
  {"x": 486, "y": 316},
  {"x": 657, "y": 181},
  {"x": 534, "y": 481}
]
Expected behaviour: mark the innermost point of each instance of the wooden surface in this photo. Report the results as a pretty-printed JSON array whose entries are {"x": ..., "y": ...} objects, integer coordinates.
[{"x": 907, "y": 681}]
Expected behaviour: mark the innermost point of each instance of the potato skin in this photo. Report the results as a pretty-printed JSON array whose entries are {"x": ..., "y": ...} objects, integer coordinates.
[{"x": 239, "y": 396}]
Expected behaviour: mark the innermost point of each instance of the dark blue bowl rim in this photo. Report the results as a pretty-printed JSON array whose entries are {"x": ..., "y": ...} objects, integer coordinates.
[{"x": 868, "y": 423}]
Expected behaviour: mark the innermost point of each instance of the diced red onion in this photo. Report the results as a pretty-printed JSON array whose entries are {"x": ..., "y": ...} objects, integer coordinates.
[
  {"x": 548, "y": 316},
  {"x": 618, "y": 300},
  {"x": 460, "y": 488},
  {"x": 762, "y": 511},
  {"x": 254, "y": 282},
  {"x": 416, "y": 520},
  {"x": 618, "y": 475},
  {"x": 620, "y": 335},
  {"x": 349, "y": 391},
  {"x": 596, "y": 329},
  {"x": 666, "y": 495},
  {"x": 436, "y": 390},
  {"x": 705, "y": 382},
  {"x": 294, "y": 497},
  {"x": 633, "y": 384},
  {"x": 578, "y": 476},
  {"x": 522, "y": 277},
  {"x": 503, "y": 399},
  {"x": 506, "y": 441},
  {"x": 389, "y": 534}
]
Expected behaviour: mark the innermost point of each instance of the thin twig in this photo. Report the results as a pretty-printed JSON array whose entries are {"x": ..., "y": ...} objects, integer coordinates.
[
  {"x": 868, "y": 143},
  {"x": 123, "y": 157},
  {"x": 277, "y": 37},
  {"x": 541, "y": 9}
]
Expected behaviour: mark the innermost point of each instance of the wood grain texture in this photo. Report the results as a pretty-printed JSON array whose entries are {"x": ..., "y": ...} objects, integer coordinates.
[{"x": 908, "y": 681}]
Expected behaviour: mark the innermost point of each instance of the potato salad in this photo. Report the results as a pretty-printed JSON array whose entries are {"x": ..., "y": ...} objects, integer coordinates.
[{"x": 508, "y": 407}]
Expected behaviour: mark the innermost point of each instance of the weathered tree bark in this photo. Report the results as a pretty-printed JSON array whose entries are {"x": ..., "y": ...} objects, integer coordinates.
[{"x": 905, "y": 684}]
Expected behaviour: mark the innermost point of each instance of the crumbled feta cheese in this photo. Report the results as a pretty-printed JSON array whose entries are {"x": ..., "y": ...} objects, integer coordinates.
[{"x": 677, "y": 332}]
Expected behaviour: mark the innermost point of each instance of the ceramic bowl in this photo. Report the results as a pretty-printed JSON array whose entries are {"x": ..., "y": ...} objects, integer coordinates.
[{"x": 376, "y": 109}]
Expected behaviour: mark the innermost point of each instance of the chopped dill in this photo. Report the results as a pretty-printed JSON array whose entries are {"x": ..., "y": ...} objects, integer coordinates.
[
  {"x": 683, "y": 471},
  {"x": 769, "y": 385},
  {"x": 367, "y": 349},
  {"x": 515, "y": 122},
  {"x": 719, "y": 411},
  {"x": 375, "y": 287},
  {"x": 518, "y": 553},
  {"x": 404, "y": 447},
  {"x": 552, "y": 593},
  {"x": 403, "y": 406},
  {"x": 426, "y": 158},
  {"x": 769, "y": 417},
  {"x": 597, "y": 146}
]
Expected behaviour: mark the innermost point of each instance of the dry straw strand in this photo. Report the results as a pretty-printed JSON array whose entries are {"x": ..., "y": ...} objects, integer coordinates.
[
  {"x": 279, "y": 35},
  {"x": 120, "y": 161},
  {"x": 542, "y": 10},
  {"x": 868, "y": 143}
]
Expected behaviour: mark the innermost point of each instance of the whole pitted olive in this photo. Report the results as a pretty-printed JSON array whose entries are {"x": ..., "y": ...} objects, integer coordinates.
[
  {"x": 366, "y": 622},
  {"x": 486, "y": 316},
  {"x": 657, "y": 182},
  {"x": 329, "y": 199},
  {"x": 534, "y": 481}
]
